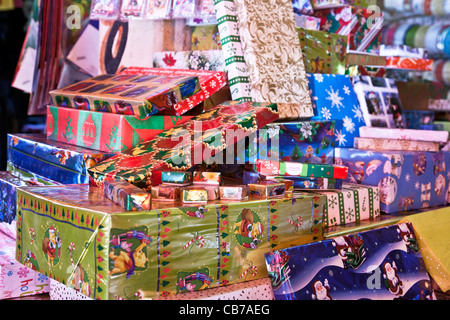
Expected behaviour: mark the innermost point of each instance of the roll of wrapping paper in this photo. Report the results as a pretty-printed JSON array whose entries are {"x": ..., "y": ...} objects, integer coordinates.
[
  {"x": 419, "y": 38},
  {"x": 431, "y": 38},
  {"x": 410, "y": 35},
  {"x": 437, "y": 7},
  {"x": 390, "y": 32},
  {"x": 400, "y": 32},
  {"x": 427, "y": 4},
  {"x": 446, "y": 72},
  {"x": 443, "y": 44},
  {"x": 447, "y": 7},
  {"x": 438, "y": 67},
  {"x": 417, "y": 6},
  {"x": 283, "y": 168}
]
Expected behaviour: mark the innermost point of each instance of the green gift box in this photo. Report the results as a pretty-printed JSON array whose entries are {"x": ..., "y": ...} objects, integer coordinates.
[
  {"x": 74, "y": 235},
  {"x": 323, "y": 52}
]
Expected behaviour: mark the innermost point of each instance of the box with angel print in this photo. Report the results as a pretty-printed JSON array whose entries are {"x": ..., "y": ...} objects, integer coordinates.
[
  {"x": 408, "y": 180},
  {"x": 333, "y": 98}
]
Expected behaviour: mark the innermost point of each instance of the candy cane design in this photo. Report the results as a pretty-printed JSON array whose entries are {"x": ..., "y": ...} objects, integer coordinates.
[
  {"x": 297, "y": 223},
  {"x": 32, "y": 234},
  {"x": 196, "y": 240},
  {"x": 253, "y": 271},
  {"x": 71, "y": 250}
]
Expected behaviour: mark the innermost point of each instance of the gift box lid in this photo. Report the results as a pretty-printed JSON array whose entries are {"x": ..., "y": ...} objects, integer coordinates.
[{"x": 190, "y": 143}]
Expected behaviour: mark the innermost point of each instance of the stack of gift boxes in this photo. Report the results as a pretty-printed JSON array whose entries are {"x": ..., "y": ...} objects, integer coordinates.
[{"x": 129, "y": 191}]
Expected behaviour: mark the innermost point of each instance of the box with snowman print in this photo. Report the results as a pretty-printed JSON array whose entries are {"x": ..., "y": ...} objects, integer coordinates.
[{"x": 408, "y": 180}]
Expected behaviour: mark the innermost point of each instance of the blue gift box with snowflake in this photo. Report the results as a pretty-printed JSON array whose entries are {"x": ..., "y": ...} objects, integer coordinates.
[
  {"x": 334, "y": 98},
  {"x": 408, "y": 180},
  {"x": 379, "y": 264},
  {"x": 8, "y": 187},
  {"x": 299, "y": 141}
]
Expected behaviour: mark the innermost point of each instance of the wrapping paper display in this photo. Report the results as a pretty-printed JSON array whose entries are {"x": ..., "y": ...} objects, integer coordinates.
[
  {"x": 179, "y": 148},
  {"x": 274, "y": 62},
  {"x": 384, "y": 144},
  {"x": 334, "y": 99},
  {"x": 299, "y": 183},
  {"x": 84, "y": 240},
  {"x": 205, "y": 38},
  {"x": 8, "y": 187},
  {"x": 380, "y": 264},
  {"x": 323, "y": 52},
  {"x": 296, "y": 169},
  {"x": 16, "y": 279},
  {"x": 362, "y": 28},
  {"x": 431, "y": 229},
  {"x": 233, "y": 54},
  {"x": 379, "y": 101},
  {"x": 211, "y": 82},
  {"x": 194, "y": 60},
  {"x": 407, "y": 180},
  {"x": 56, "y": 161},
  {"x": 404, "y": 134},
  {"x": 126, "y": 195},
  {"x": 140, "y": 95},
  {"x": 303, "y": 141},
  {"x": 353, "y": 203},
  {"x": 104, "y": 131}
]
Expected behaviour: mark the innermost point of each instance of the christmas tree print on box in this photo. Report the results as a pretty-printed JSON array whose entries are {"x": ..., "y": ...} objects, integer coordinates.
[{"x": 334, "y": 99}]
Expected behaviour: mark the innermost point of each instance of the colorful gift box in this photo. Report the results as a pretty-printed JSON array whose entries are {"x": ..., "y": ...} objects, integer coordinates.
[
  {"x": 29, "y": 177},
  {"x": 104, "y": 253},
  {"x": 304, "y": 141},
  {"x": 126, "y": 195},
  {"x": 194, "y": 60},
  {"x": 323, "y": 52},
  {"x": 140, "y": 95},
  {"x": 384, "y": 144},
  {"x": 353, "y": 203},
  {"x": 211, "y": 82},
  {"x": 295, "y": 169},
  {"x": 274, "y": 62},
  {"x": 205, "y": 37},
  {"x": 407, "y": 180},
  {"x": 166, "y": 193},
  {"x": 380, "y": 264},
  {"x": 232, "y": 50},
  {"x": 299, "y": 183},
  {"x": 415, "y": 119},
  {"x": 325, "y": 4},
  {"x": 210, "y": 178},
  {"x": 103, "y": 131},
  {"x": 233, "y": 192},
  {"x": 379, "y": 101},
  {"x": 8, "y": 187},
  {"x": 267, "y": 189},
  {"x": 334, "y": 99},
  {"x": 404, "y": 134},
  {"x": 194, "y": 194},
  {"x": 307, "y": 22},
  {"x": 179, "y": 148},
  {"x": 176, "y": 177},
  {"x": 365, "y": 59},
  {"x": 409, "y": 63},
  {"x": 360, "y": 25},
  {"x": 56, "y": 161}
]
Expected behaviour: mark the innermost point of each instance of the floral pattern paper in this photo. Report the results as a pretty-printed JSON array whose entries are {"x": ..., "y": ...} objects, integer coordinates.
[{"x": 272, "y": 54}]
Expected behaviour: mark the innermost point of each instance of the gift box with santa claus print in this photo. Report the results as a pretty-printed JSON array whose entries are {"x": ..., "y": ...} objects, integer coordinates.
[
  {"x": 361, "y": 26},
  {"x": 77, "y": 236},
  {"x": 408, "y": 180},
  {"x": 379, "y": 264}
]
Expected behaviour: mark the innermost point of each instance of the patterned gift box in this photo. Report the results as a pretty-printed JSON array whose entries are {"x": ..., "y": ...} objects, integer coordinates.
[
  {"x": 205, "y": 37},
  {"x": 307, "y": 22},
  {"x": 304, "y": 141},
  {"x": 296, "y": 169},
  {"x": 324, "y": 4},
  {"x": 103, "y": 131},
  {"x": 334, "y": 99},
  {"x": 274, "y": 62},
  {"x": 57, "y": 161},
  {"x": 302, "y": 6},
  {"x": 409, "y": 63},
  {"x": 361, "y": 26},
  {"x": 211, "y": 82},
  {"x": 140, "y": 95},
  {"x": 8, "y": 186},
  {"x": 415, "y": 119},
  {"x": 380, "y": 264},
  {"x": 379, "y": 101},
  {"x": 407, "y": 180},
  {"x": 211, "y": 60},
  {"x": 232, "y": 49},
  {"x": 191, "y": 143},
  {"x": 384, "y": 144},
  {"x": 323, "y": 52},
  {"x": 129, "y": 197},
  {"x": 299, "y": 183},
  {"x": 17, "y": 279},
  {"x": 29, "y": 177},
  {"x": 173, "y": 248},
  {"x": 405, "y": 134},
  {"x": 353, "y": 203}
]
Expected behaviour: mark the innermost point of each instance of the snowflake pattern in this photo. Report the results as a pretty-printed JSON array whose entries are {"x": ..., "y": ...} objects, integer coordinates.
[
  {"x": 335, "y": 98},
  {"x": 349, "y": 125},
  {"x": 318, "y": 77},
  {"x": 326, "y": 114},
  {"x": 340, "y": 137},
  {"x": 350, "y": 214},
  {"x": 346, "y": 90},
  {"x": 407, "y": 177},
  {"x": 417, "y": 185},
  {"x": 332, "y": 202},
  {"x": 358, "y": 113},
  {"x": 23, "y": 272}
]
